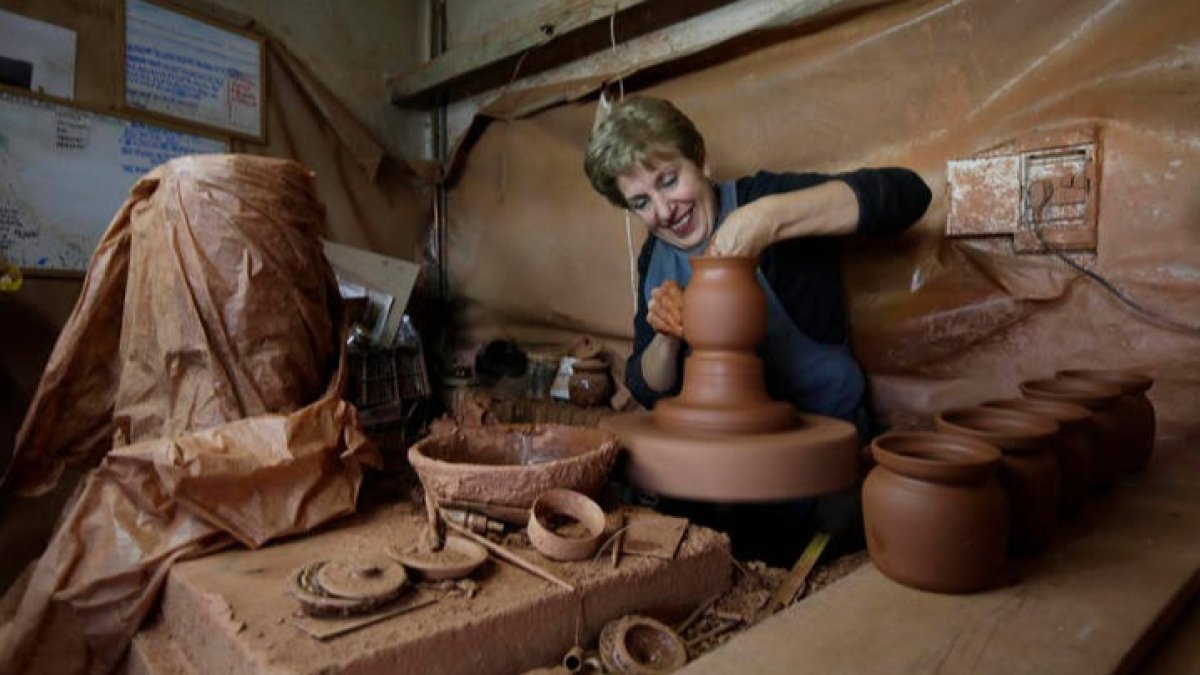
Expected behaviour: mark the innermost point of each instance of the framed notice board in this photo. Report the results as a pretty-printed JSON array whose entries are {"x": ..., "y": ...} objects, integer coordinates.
[
  {"x": 178, "y": 65},
  {"x": 64, "y": 172}
]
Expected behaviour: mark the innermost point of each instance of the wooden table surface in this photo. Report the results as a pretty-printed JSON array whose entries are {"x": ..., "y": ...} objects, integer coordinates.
[{"x": 1096, "y": 601}]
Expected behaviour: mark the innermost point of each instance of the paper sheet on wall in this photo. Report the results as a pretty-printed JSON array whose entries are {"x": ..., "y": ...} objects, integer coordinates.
[{"x": 48, "y": 50}]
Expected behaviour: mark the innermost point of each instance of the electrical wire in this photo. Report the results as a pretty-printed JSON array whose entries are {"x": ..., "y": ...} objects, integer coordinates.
[{"x": 1149, "y": 315}]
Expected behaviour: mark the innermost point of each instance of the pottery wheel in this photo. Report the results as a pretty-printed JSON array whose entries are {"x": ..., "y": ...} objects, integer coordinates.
[
  {"x": 818, "y": 455},
  {"x": 361, "y": 579},
  {"x": 318, "y": 601}
]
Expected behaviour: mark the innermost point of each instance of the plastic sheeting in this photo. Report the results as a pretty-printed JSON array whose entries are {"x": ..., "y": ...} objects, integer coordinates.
[
  {"x": 205, "y": 352},
  {"x": 936, "y": 322}
]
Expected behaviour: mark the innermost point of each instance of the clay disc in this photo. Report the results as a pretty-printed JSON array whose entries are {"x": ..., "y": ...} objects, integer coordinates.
[{"x": 361, "y": 579}]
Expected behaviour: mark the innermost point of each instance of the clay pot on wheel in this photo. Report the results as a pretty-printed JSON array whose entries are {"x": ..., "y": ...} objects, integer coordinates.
[
  {"x": 1107, "y": 439},
  {"x": 589, "y": 384},
  {"x": 936, "y": 517},
  {"x": 724, "y": 307},
  {"x": 1073, "y": 447},
  {"x": 1135, "y": 410},
  {"x": 1028, "y": 469}
]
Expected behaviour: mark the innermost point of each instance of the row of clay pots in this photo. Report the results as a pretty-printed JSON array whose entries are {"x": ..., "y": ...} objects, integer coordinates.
[{"x": 943, "y": 507}]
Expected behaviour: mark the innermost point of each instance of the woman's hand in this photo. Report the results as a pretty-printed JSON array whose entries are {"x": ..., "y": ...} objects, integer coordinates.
[
  {"x": 665, "y": 313},
  {"x": 828, "y": 209},
  {"x": 747, "y": 230}
]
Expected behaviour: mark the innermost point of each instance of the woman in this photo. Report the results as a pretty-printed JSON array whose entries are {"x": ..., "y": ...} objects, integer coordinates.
[{"x": 648, "y": 157}]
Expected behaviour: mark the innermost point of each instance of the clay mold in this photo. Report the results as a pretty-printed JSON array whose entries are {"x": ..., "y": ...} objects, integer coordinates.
[{"x": 566, "y": 525}]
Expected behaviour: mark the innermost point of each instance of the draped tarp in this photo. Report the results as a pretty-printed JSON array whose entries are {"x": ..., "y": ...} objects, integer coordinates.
[
  {"x": 936, "y": 322},
  {"x": 204, "y": 362}
]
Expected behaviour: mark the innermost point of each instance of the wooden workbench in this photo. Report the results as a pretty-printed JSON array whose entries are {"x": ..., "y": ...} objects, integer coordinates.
[{"x": 1095, "y": 602}]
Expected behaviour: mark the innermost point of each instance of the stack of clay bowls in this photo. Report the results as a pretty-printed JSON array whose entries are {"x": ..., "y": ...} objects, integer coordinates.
[{"x": 942, "y": 507}]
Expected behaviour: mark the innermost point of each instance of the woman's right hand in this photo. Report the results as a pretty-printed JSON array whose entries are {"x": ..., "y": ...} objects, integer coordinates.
[{"x": 665, "y": 313}]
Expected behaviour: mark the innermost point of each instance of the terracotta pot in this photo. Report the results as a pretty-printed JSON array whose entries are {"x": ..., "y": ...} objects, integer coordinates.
[
  {"x": 1108, "y": 440},
  {"x": 935, "y": 514},
  {"x": 1073, "y": 448},
  {"x": 589, "y": 384},
  {"x": 1135, "y": 410},
  {"x": 724, "y": 307},
  {"x": 1028, "y": 470}
]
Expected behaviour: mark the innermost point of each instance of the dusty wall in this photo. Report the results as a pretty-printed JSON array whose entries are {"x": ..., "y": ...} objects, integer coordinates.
[{"x": 535, "y": 255}]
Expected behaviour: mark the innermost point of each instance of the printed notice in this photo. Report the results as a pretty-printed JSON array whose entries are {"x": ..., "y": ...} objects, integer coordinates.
[
  {"x": 65, "y": 171},
  {"x": 187, "y": 68}
]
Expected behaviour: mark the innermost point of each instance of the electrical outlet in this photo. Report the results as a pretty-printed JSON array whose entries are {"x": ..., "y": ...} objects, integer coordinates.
[{"x": 1046, "y": 183}]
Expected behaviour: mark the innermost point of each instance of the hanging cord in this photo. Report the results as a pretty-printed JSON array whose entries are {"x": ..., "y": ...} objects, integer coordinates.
[
  {"x": 1039, "y": 204},
  {"x": 633, "y": 286}
]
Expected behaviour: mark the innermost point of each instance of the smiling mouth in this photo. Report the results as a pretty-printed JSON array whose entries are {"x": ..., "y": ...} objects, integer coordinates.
[{"x": 684, "y": 226}]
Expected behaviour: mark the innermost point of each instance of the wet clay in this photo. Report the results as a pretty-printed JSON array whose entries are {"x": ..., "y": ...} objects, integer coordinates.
[
  {"x": 723, "y": 438},
  {"x": 724, "y": 319}
]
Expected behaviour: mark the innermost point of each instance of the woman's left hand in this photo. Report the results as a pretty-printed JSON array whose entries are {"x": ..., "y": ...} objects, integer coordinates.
[{"x": 747, "y": 231}]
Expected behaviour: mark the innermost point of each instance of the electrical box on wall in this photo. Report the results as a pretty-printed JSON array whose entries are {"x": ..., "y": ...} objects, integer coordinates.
[{"x": 1042, "y": 190}]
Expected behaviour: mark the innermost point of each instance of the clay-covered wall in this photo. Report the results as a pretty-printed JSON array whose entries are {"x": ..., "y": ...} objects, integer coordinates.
[{"x": 536, "y": 256}]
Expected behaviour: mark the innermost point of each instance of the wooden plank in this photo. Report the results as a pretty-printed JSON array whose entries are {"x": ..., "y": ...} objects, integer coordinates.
[
  {"x": 1093, "y": 603},
  {"x": 504, "y": 42}
]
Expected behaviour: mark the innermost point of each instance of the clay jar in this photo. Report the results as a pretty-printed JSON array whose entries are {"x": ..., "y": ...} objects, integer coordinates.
[
  {"x": 1107, "y": 439},
  {"x": 724, "y": 319},
  {"x": 589, "y": 384},
  {"x": 724, "y": 307},
  {"x": 1073, "y": 447},
  {"x": 1135, "y": 410},
  {"x": 935, "y": 514},
  {"x": 1028, "y": 469}
]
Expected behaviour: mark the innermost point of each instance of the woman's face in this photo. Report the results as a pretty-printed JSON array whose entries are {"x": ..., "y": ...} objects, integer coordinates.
[{"x": 673, "y": 198}]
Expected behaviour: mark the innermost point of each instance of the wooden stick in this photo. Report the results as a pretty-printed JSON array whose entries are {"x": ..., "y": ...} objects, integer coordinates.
[
  {"x": 697, "y": 612},
  {"x": 508, "y": 556},
  {"x": 436, "y": 534},
  {"x": 796, "y": 579},
  {"x": 723, "y": 628}
]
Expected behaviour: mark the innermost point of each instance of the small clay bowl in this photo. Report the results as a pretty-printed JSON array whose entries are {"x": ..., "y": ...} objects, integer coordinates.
[
  {"x": 458, "y": 558},
  {"x": 579, "y": 507},
  {"x": 639, "y": 645}
]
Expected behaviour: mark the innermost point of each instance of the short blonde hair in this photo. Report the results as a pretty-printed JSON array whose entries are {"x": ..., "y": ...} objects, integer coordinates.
[{"x": 638, "y": 129}]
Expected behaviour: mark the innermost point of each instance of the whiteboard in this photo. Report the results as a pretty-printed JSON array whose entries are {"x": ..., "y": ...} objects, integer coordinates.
[
  {"x": 64, "y": 172},
  {"x": 190, "y": 69}
]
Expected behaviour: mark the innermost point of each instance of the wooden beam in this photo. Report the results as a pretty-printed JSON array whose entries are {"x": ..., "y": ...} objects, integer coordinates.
[{"x": 508, "y": 41}]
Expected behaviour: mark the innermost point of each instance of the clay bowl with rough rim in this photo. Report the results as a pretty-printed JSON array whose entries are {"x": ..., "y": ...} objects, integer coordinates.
[
  {"x": 512, "y": 465},
  {"x": 640, "y": 645},
  {"x": 575, "y": 506},
  {"x": 434, "y": 566}
]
